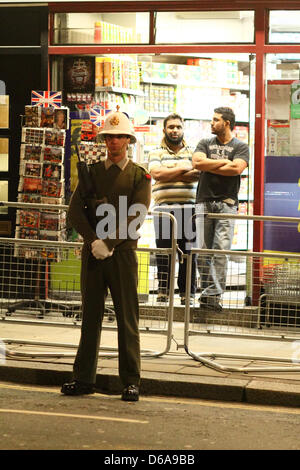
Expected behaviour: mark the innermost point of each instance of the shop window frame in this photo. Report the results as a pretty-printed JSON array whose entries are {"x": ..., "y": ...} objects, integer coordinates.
[
  {"x": 52, "y": 29},
  {"x": 219, "y": 10},
  {"x": 274, "y": 43},
  {"x": 177, "y": 6},
  {"x": 260, "y": 48}
]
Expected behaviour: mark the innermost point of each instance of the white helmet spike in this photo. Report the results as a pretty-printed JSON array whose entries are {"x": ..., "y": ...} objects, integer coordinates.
[{"x": 117, "y": 122}]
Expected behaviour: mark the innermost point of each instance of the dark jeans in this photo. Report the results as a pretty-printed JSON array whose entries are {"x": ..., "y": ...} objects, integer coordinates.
[{"x": 186, "y": 230}]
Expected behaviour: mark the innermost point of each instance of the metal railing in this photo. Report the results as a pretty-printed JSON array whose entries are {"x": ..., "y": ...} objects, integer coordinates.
[
  {"x": 272, "y": 312},
  {"x": 261, "y": 300},
  {"x": 40, "y": 284}
]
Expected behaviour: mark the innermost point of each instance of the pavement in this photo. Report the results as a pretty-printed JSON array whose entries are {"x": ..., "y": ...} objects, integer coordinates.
[{"x": 213, "y": 366}]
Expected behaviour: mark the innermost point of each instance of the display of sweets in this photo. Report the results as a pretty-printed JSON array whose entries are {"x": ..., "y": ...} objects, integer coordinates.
[
  {"x": 159, "y": 98},
  {"x": 221, "y": 72},
  {"x": 117, "y": 72},
  {"x": 105, "y": 32}
]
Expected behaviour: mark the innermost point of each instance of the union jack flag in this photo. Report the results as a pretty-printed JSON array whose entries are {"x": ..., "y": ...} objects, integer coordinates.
[
  {"x": 97, "y": 115},
  {"x": 46, "y": 98}
]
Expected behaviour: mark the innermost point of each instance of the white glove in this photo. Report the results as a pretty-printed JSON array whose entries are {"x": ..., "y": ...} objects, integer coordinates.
[{"x": 100, "y": 249}]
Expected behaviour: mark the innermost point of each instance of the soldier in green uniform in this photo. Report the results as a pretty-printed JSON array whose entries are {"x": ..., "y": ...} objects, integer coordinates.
[{"x": 109, "y": 259}]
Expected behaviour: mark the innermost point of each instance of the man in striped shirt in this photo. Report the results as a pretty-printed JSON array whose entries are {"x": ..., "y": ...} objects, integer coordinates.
[{"x": 174, "y": 192}]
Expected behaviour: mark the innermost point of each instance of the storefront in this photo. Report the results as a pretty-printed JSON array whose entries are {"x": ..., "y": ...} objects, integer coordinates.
[{"x": 154, "y": 58}]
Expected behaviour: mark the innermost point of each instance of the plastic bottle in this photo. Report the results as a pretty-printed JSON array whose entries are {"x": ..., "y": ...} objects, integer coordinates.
[{"x": 97, "y": 32}]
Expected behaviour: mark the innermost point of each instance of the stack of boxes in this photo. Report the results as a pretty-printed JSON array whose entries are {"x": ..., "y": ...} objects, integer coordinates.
[
  {"x": 159, "y": 98},
  {"x": 197, "y": 88},
  {"x": 218, "y": 71}
]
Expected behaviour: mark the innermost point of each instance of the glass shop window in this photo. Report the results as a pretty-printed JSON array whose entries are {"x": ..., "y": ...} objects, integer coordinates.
[
  {"x": 101, "y": 28},
  {"x": 205, "y": 27},
  {"x": 284, "y": 26}
]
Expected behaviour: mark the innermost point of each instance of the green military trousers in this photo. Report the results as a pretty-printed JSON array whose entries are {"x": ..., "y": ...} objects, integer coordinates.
[{"x": 119, "y": 273}]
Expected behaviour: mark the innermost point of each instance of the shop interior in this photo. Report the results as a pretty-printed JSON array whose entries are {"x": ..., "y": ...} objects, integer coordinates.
[{"x": 150, "y": 86}]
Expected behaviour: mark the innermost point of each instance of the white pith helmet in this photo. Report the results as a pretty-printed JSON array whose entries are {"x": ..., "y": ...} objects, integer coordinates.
[{"x": 117, "y": 123}]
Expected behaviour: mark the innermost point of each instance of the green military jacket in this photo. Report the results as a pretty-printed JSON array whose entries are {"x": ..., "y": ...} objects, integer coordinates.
[{"x": 128, "y": 187}]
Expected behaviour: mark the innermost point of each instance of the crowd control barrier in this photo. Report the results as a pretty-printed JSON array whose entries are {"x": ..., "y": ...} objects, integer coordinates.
[
  {"x": 261, "y": 301},
  {"x": 40, "y": 285}
]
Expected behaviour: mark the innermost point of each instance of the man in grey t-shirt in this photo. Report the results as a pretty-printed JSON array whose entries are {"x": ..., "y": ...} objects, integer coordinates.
[{"x": 221, "y": 160}]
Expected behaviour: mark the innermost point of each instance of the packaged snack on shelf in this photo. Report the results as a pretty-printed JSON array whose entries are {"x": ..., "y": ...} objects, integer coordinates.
[
  {"x": 99, "y": 74},
  {"x": 107, "y": 72}
]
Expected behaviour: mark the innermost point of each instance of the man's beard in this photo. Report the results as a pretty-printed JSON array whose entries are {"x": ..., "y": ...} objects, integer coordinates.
[
  {"x": 173, "y": 140},
  {"x": 220, "y": 132}
]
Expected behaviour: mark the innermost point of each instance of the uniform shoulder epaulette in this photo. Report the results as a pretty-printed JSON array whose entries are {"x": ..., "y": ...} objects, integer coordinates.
[{"x": 141, "y": 173}]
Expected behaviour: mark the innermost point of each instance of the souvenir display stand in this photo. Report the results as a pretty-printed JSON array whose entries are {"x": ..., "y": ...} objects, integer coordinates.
[{"x": 41, "y": 182}]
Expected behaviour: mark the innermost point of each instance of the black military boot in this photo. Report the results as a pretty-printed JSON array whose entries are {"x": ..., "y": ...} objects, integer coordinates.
[
  {"x": 130, "y": 393},
  {"x": 77, "y": 388}
]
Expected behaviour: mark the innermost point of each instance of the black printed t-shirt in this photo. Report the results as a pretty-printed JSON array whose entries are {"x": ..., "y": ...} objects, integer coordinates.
[{"x": 213, "y": 187}]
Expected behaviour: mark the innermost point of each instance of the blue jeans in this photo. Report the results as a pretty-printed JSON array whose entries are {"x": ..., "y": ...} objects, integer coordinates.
[{"x": 217, "y": 235}]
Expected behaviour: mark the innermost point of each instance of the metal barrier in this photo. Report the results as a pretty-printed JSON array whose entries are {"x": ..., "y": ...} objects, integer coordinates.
[
  {"x": 280, "y": 303},
  {"x": 41, "y": 281},
  {"x": 272, "y": 311},
  {"x": 40, "y": 284}
]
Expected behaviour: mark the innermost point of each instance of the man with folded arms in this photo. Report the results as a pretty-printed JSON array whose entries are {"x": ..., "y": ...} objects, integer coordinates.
[{"x": 221, "y": 160}]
